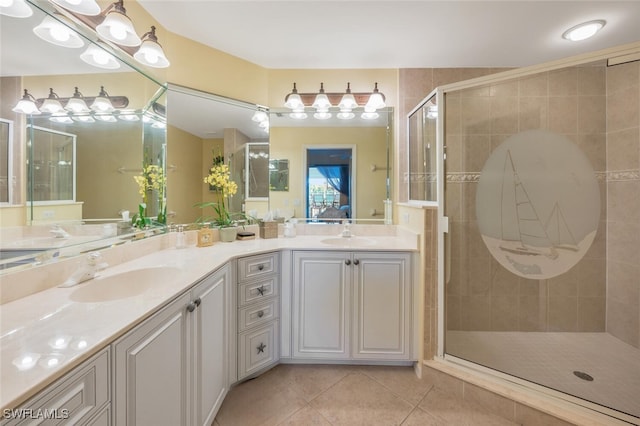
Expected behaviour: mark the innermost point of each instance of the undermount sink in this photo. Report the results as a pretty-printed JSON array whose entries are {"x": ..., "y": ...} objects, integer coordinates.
[
  {"x": 122, "y": 285},
  {"x": 348, "y": 241}
]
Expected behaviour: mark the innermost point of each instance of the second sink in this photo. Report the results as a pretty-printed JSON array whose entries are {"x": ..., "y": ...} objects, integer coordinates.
[{"x": 122, "y": 285}]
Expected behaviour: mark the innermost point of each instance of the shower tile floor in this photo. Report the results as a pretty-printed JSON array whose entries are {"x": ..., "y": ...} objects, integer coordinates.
[{"x": 549, "y": 359}]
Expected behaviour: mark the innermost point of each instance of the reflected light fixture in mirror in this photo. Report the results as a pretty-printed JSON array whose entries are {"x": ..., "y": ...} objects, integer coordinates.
[
  {"x": 52, "y": 104},
  {"x": 98, "y": 57},
  {"x": 15, "y": 8},
  {"x": 83, "y": 7},
  {"x": 150, "y": 52},
  {"x": 76, "y": 104},
  {"x": 117, "y": 27},
  {"x": 102, "y": 103},
  {"x": 26, "y": 105},
  {"x": 54, "y": 31}
]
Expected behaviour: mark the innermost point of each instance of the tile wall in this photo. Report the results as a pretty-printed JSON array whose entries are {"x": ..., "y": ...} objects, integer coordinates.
[{"x": 623, "y": 187}]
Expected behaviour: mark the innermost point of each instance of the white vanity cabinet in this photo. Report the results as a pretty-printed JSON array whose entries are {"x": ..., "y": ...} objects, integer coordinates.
[
  {"x": 258, "y": 313},
  {"x": 171, "y": 369},
  {"x": 352, "y": 305},
  {"x": 80, "y": 397}
]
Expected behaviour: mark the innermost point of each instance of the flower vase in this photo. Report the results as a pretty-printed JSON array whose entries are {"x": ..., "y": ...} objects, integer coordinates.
[{"x": 228, "y": 234}]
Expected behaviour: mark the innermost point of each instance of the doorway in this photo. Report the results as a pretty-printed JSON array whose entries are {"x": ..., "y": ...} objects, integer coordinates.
[{"x": 329, "y": 183}]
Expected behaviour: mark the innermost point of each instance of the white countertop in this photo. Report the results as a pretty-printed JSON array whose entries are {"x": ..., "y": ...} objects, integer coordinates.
[{"x": 50, "y": 325}]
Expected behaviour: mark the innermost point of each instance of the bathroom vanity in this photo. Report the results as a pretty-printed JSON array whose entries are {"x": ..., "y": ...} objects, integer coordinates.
[{"x": 211, "y": 318}]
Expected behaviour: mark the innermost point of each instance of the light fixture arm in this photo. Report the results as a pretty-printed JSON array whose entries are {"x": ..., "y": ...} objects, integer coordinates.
[{"x": 151, "y": 35}]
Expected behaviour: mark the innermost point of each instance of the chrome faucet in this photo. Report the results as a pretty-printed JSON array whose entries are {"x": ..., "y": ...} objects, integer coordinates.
[
  {"x": 346, "y": 230},
  {"x": 59, "y": 232},
  {"x": 87, "y": 270}
]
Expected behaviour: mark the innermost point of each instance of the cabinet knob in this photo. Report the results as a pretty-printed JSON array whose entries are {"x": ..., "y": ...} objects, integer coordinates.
[
  {"x": 356, "y": 262},
  {"x": 260, "y": 267},
  {"x": 198, "y": 301},
  {"x": 261, "y": 348},
  {"x": 261, "y": 290},
  {"x": 347, "y": 262},
  {"x": 191, "y": 307},
  {"x": 260, "y": 314}
]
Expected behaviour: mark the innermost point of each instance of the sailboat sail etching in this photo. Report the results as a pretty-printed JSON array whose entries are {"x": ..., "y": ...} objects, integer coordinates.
[{"x": 529, "y": 235}]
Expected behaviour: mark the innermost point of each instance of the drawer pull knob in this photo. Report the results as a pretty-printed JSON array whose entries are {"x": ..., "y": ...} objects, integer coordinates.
[
  {"x": 356, "y": 262},
  {"x": 191, "y": 307},
  {"x": 261, "y": 290},
  {"x": 260, "y": 314},
  {"x": 347, "y": 262},
  {"x": 198, "y": 301},
  {"x": 260, "y": 267},
  {"x": 261, "y": 348}
]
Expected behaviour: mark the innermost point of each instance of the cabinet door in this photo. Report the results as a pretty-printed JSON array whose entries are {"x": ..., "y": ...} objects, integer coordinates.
[
  {"x": 210, "y": 343},
  {"x": 381, "y": 310},
  {"x": 151, "y": 370},
  {"x": 321, "y": 305}
]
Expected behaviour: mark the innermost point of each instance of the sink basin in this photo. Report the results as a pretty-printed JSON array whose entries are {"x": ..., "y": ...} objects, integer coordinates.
[
  {"x": 348, "y": 242},
  {"x": 122, "y": 285}
]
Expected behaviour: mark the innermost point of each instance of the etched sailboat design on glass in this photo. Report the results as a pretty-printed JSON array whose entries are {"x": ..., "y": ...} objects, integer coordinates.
[
  {"x": 537, "y": 204},
  {"x": 531, "y": 238}
]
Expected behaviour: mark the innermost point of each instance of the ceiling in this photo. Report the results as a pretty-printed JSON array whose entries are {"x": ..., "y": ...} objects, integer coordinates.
[{"x": 311, "y": 34}]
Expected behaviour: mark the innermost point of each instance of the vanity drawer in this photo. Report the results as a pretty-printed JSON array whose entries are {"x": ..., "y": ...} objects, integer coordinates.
[
  {"x": 257, "y": 266},
  {"x": 258, "y": 349},
  {"x": 257, "y": 314},
  {"x": 74, "y": 399},
  {"x": 257, "y": 290}
]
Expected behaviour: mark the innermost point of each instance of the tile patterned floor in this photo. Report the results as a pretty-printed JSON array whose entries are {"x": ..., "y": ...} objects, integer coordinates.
[{"x": 326, "y": 395}]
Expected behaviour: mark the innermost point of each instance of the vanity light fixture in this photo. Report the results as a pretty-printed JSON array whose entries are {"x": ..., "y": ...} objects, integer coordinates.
[
  {"x": 26, "y": 105},
  {"x": 83, "y": 7},
  {"x": 376, "y": 100},
  {"x": 52, "y": 104},
  {"x": 323, "y": 102},
  {"x": 102, "y": 103},
  {"x": 150, "y": 52},
  {"x": 117, "y": 27},
  {"x": 348, "y": 101},
  {"x": 57, "y": 30},
  {"x": 293, "y": 100},
  {"x": 369, "y": 114},
  {"x": 76, "y": 104},
  {"x": 15, "y": 8},
  {"x": 584, "y": 31},
  {"x": 97, "y": 56}
]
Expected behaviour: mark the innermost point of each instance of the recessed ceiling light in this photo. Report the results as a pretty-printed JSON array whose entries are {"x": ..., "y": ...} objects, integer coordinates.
[{"x": 584, "y": 31}]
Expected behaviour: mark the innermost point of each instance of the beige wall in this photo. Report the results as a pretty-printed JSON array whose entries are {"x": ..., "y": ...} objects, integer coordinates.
[
  {"x": 185, "y": 172},
  {"x": 623, "y": 204},
  {"x": 370, "y": 148}
]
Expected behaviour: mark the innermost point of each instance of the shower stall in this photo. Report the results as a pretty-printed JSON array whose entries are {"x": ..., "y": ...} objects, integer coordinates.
[{"x": 540, "y": 267}]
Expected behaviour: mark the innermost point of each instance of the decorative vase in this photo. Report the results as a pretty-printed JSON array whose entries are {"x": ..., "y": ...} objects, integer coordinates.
[{"x": 228, "y": 234}]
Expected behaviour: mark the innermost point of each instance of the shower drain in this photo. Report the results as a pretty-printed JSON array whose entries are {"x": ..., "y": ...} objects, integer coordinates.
[{"x": 584, "y": 376}]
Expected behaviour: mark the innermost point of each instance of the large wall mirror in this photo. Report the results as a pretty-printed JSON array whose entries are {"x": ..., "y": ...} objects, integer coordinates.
[
  {"x": 337, "y": 169},
  {"x": 100, "y": 152},
  {"x": 204, "y": 128}
]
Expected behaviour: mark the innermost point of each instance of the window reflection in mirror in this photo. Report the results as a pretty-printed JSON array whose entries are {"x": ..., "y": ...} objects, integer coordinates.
[{"x": 422, "y": 151}]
